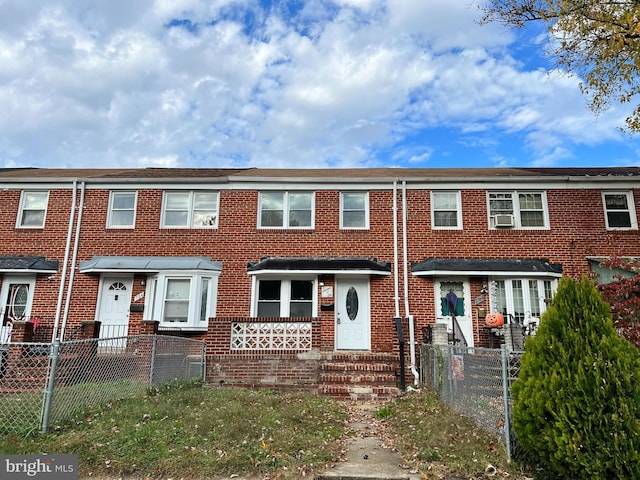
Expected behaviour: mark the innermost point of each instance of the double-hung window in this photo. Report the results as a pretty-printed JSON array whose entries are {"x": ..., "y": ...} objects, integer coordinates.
[
  {"x": 354, "y": 210},
  {"x": 196, "y": 209},
  {"x": 526, "y": 210},
  {"x": 619, "y": 211},
  {"x": 122, "y": 210},
  {"x": 446, "y": 211},
  {"x": 286, "y": 210},
  {"x": 285, "y": 297},
  {"x": 33, "y": 209},
  {"x": 182, "y": 301}
]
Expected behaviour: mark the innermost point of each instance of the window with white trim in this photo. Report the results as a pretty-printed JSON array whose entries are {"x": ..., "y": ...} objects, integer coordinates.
[
  {"x": 286, "y": 210},
  {"x": 354, "y": 210},
  {"x": 285, "y": 297},
  {"x": 518, "y": 209},
  {"x": 619, "y": 211},
  {"x": 195, "y": 209},
  {"x": 446, "y": 210},
  {"x": 122, "y": 210},
  {"x": 33, "y": 209},
  {"x": 521, "y": 299},
  {"x": 181, "y": 301}
]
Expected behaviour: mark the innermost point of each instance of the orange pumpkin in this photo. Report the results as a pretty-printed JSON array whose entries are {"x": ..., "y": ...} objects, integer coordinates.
[{"x": 494, "y": 320}]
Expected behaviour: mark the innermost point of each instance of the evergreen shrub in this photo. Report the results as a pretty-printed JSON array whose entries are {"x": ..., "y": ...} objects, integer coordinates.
[{"x": 576, "y": 403}]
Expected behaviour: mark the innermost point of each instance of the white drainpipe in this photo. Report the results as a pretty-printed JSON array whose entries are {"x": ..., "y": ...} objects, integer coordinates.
[
  {"x": 396, "y": 294},
  {"x": 63, "y": 275},
  {"x": 73, "y": 262},
  {"x": 412, "y": 342}
]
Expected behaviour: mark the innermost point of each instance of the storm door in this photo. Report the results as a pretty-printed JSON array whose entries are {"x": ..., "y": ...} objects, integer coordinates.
[
  {"x": 16, "y": 297},
  {"x": 453, "y": 307}
]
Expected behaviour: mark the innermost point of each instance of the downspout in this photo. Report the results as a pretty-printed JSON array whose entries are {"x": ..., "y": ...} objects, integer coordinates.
[
  {"x": 412, "y": 342},
  {"x": 63, "y": 275},
  {"x": 73, "y": 262},
  {"x": 396, "y": 294}
]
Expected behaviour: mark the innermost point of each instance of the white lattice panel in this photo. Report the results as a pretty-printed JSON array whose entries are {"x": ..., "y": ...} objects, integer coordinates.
[{"x": 271, "y": 336}]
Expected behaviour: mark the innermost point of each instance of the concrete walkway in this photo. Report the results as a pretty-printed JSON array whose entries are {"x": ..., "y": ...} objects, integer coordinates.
[{"x": 367, "y": 456}]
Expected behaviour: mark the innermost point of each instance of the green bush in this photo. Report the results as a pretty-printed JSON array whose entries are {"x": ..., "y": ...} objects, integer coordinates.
[{"x": 577, "y": 399}]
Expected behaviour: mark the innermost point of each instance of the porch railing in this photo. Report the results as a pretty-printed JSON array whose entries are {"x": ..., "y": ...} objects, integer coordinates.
[{"x": 113, "y": 331}]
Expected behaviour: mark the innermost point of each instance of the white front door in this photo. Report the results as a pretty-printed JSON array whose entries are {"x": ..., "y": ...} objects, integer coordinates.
[
  {"x": 353, "y": 325},
  {"x": 16, "y": 297},
  {"x": 113, "y": 312},
  {"x": 453, "y": 301}
]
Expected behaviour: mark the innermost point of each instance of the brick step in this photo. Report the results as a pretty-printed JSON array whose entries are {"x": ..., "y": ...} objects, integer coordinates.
[
  {"x": 14, "y": 391},
  {"x": 22, "y": 384},
  {"x": 360, "y": 357},
  {"x": 358, "y": 367},
  {"x": 357, "y": 378},
  {"x": 39, "y": 361},
  {"x": 359, "y": 393},
  {"x": 26, "y": 369}
]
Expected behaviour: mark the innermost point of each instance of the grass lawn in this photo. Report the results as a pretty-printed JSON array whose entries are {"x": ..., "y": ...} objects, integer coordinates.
[
  {"x": 438, "y": 441},
  {"x": 196, "y": 431}
]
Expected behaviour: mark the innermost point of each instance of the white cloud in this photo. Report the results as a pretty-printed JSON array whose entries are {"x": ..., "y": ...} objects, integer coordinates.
[{"x": 227, "y": 82}]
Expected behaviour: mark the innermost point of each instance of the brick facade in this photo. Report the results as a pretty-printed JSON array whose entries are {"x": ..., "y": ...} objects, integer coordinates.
[{"x": 574, "y": 205}]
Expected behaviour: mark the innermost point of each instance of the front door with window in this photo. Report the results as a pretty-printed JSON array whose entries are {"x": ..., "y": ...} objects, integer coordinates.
[
  {"x": 113, "y": 313},
  {"x": 16, "y": 297},
  {"x": 353, "y": 325},
  {"x": 453, "y": 306}
]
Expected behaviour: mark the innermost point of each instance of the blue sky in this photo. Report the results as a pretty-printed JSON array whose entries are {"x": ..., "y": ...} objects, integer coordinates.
[{"x": 319, "y": 83}]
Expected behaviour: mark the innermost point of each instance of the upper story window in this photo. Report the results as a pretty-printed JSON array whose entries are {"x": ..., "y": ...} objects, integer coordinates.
[
  {"x": 446, "y": 210},
  {"x": 190, "y": 210},
  {"x": 354, "y": 210},
  {"x": 285, "y": 297},
  {"x": 122, "y": 210},
  {"x": 518, "y": 209},
  {"x": 33, "y": 209},
  {"x": 619, "y": 211},
  {"x": 286, "y": 210}
]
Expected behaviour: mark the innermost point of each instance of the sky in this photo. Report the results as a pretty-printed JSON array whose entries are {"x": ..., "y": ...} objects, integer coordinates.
[{"x": 288, "y": 84}]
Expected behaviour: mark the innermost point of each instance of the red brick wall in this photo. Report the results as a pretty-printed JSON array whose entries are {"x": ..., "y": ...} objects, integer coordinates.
[
  {"x": 263, "y": 371},
  {"x": 577, "y": 230}
]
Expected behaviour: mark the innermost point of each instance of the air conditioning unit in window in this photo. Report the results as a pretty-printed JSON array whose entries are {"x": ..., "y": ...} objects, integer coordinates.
[{"x": 503, "y": 221}]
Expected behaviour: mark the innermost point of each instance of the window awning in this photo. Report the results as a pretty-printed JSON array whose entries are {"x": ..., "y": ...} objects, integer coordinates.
[
  {"x": 358, "y": 266},
  {"x": 18, "y": 264},
  {"x": 147, "y": 264},
  {"x": 493, "y": 267}
]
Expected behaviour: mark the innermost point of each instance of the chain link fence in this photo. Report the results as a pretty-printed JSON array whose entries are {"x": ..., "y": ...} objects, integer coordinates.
[
  {"x": 43, "y": 385},
  {"x": 476, "y": 382}
]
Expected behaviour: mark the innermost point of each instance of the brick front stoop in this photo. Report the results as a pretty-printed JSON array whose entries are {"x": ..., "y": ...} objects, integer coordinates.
[{"x": 359, "y": 376}]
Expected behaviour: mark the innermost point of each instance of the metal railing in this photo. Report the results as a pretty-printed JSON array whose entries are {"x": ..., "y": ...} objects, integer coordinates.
[
  {"x": 46, "y": 384},
  {"x": 113, "y": 331},
  {"x": 476, "y": 382}
]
